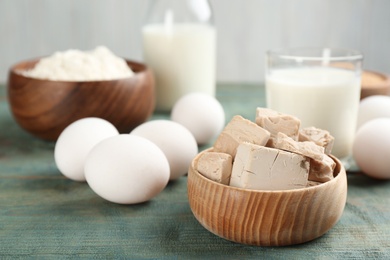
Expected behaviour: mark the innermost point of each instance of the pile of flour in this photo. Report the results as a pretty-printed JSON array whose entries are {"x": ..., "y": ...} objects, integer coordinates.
[{"x": 76, "y": 65}]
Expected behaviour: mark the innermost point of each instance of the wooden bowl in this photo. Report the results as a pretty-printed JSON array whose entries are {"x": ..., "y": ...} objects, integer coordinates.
[
  {"x": 44, "y": 107},
  {"x": 374, "y": 83},
  {"x": 267, "y": 218}
]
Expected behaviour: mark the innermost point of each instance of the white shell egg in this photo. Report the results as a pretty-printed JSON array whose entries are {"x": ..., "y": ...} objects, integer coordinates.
[
  {"x": 126, "y": 169},
  {"x": 76, "y": 141},
  {"x": 176, "y": 141},
  {"x": 373, "y": 107},
  {"x": 371, "y": 148},
  {"x": 202, "y": 114}
]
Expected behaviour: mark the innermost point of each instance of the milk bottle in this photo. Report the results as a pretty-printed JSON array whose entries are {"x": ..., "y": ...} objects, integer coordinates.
[{"x": 179, "y": 43}]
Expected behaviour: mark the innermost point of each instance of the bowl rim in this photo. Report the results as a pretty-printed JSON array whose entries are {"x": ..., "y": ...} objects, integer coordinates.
[
  {"x": 341, "y": 171},
  {"x": 385, "y": 83}
]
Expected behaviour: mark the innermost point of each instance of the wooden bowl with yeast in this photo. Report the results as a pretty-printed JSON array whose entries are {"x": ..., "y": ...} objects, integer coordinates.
[
  {"x": 267, "y": 217},
  {"x": 44, "y": 107}
]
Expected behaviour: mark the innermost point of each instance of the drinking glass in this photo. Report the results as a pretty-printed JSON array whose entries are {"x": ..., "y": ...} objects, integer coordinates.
[{"x": 321, "y": 87}]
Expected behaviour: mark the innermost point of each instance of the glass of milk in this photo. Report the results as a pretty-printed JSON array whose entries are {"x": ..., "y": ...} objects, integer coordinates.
[
  {"x": 179, "y": 45},
  {"x": 320, "y": 86}
]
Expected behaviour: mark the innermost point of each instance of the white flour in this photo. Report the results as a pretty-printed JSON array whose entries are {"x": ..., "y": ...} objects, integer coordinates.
[{"x": 75, "y": 65}]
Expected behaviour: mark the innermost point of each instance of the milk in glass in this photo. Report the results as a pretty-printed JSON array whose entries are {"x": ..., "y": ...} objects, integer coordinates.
[{"x": 324, "y": 97}]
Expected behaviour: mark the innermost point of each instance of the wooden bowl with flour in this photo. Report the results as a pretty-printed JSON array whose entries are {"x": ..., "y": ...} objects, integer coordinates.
[
  {"x": 45, "y": 107},
  {"x": 267, "y": 217}
]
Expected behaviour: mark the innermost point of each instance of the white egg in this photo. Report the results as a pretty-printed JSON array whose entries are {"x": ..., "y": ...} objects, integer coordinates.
[
  {"x": 373, "y": 107},
  {"x": 371, "y": 148},
  {"x": 75, "y": 142},
  {"x": 202, "y": 114},
  {"x": 126, "y": 169},
  {"x": 176, "y": 141}
]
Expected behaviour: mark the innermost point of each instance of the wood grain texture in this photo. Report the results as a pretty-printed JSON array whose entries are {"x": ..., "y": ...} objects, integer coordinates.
[
  {"x": 267, "y": 218},
  {"x": 43, "y": 215},
  {"x": 374, "y": 83},
  {"x": 44, "y": 108}
]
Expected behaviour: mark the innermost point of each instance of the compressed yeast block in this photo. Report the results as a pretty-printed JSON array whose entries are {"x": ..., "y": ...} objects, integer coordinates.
[
  {"x": 318, "y": 136},
  {"x": 215, "y": 166},
  {"x": 322, "y": 171},
  {"x": 237, "y": 131},
  {"x": 308, "y": 149},
  {"x": 264, "y": 168},
  {"x": 276, "y": 122}
]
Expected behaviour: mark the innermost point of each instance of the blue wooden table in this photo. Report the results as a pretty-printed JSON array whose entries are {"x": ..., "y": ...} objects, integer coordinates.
[{"x": 43, "y": 215}]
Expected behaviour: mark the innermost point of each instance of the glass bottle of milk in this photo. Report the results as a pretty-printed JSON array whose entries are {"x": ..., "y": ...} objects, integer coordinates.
[{"x": 179, "y": 45}]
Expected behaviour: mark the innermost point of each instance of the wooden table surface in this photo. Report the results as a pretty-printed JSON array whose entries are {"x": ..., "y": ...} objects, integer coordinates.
[{"x": 43, "y": 215}]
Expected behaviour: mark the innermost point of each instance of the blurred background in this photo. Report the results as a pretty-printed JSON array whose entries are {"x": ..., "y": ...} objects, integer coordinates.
[{"x": 245, "y": 30}]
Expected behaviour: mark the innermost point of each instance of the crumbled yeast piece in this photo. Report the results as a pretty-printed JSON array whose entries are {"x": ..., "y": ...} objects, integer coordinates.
[
  {"x": 215, "y": 166},
  {"x": 237, "y": 131},
  {"x": 322, "y": 171},
  {"x": 276, "y": 122},
  {"x": 318, "y": 136},
  {"x": 313, "y": 183},
  {"x": 263, "y": 168},
  {"x": 308, "y": 149}
]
